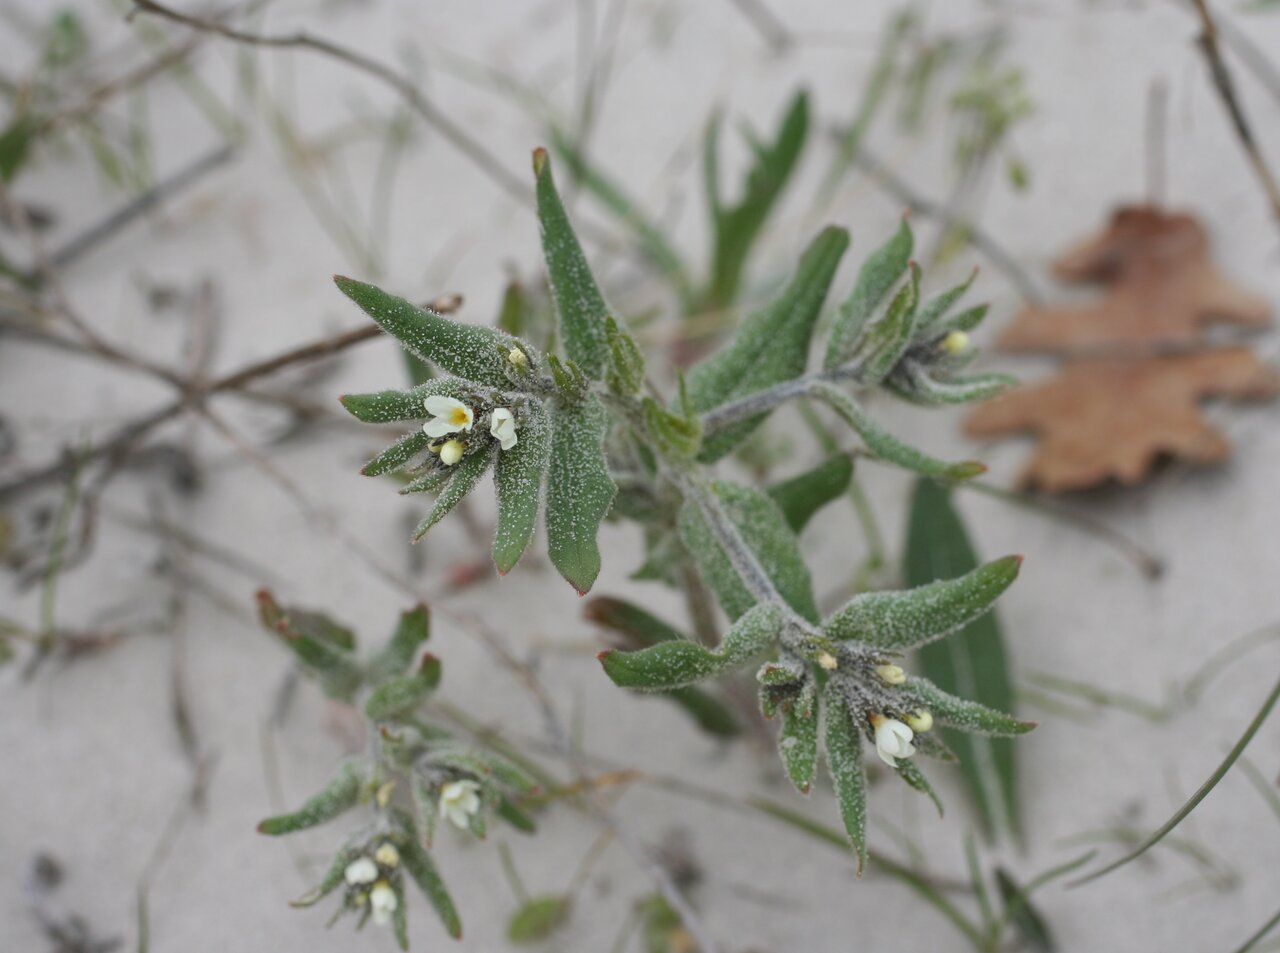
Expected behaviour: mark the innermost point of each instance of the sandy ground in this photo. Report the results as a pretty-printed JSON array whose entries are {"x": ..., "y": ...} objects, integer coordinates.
[{"x": 92, "y": 767}]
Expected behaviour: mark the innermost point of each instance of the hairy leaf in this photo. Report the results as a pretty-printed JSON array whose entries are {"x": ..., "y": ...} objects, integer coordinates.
[
  {"x": 338, "y": 795},
  {"x": 413, "y": 629},
  {"x": 463, "y": 480},
  {"x": 579, "y": 491},
  {"x": 843, "y": 743},
  {"x": 397, "y": 455},
  {"x": 903, "y": 620},
  {"x": 878, "y": 274},
  {"x": 422, "y": 869},
  {"x": 772, "y": 345},
  {"x": 517, "y": 479},
  {"x": 580, "y": 305}
]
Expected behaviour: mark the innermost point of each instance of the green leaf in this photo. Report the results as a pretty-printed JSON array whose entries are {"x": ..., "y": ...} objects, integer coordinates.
[
  {"x": 843, "y": 744},
  {"x": 580, "y": 305},
  {"x": 466, "y": 350},
  {"x": 400, "y": 915},
  {"x": 463, "y": 480},
  {"x": 736, "y": 228},
  {"x": 964, "y": 714},
  {"x": 1019, "y": 911},
  {"x": 772, "y": 345},
  {"x": 333, "y": 878},
  {"x": 884, "y": 444},
  {"x": 674, "y": 435},
  {"x": 515, "y": 817},
  {"x": 878, "y": 274},
  {"x": 322, "y": 646},
  {"x": 971, "y": 663},
  {"x": 922, "y": 388},
  {"x": 397, "y": 455},
  {"x": 579, "y": 491},
  {"x": 933, "y": 311},
  {"x": 339, "y": 795},
  {"x": 887, "y": 340},
  {"x": 802, "y": 496},
  {"x": 392, "y": 406},
  {"x": 413, "y": 629},
  {"x": 798, "y": 745},
  {"x": 764, "y": 529},
  {"x": 910, "y": 772},
  {"x": 403, "y": 695},
  {"x": 423, "y": 871},
  {"x": 670, "y": 665},
  {"x": 641, "y": 629},
  {"x": 625, "y": 373},
  {"x": 538, "y": 918},
  {"x": 903, "y": 620},
  {"x": 15, "y": 146},
  {"x": 517, "y": 479}
]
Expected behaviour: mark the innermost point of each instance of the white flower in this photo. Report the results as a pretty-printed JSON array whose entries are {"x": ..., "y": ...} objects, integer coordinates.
[
  {"x": 447, "y": 416},
  {"x": 502, "y": 426},
  {"x": 362, "y": 870},
  {"x": 458, "y": 801},
  {"x": 451, "y": 452},
  {"x": 893, "y": 739},
  {"x": 383, "y": 902}
]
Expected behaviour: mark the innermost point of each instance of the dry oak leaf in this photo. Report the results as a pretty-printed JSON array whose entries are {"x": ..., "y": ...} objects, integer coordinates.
[
  {"x": 1161, "y": 289},
  {"x": 1101, "y": 419}
]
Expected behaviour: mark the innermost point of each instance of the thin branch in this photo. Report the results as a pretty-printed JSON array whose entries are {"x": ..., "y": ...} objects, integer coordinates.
[
  {"x": 1225, "y": 85},
  {"x": 487, "y": 162}
]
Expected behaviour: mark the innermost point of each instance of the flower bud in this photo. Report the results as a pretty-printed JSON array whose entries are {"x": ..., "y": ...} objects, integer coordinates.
[
  {"x": 919, "y": 721},
  {"x": 451, "y": 452},
  {"x": 956, "y": 342},
  {"x": 518, "y": 358},
  {"x": 891, "y": 674},
  {"x": 828, "y": 662},
  {"x": 387, "y": 855}
]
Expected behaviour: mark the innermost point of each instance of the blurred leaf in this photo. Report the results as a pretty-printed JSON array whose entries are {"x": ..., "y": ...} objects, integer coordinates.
[
  {"x": 908, "y": 619},
  {"x": 887, "y": 339},
  {"x": 670, "y": 665},
  {"x": 463, "y": 480},
  {"x": 579, "y": 491},
  {"x": 625, "y": 373},
  {"x": 517, "y": 480},
  {"x": 803, "y": 495},
  {"x": 1022, "y": 914},
  {"x": 764, "y": 530},
  {"x": 467, "y": 350},
  {"x": 403, "y": 695},
  {"x": 413, "y": 629},
  {"x": 878, "y": 274},
  {"x": 397, "y": 455},
  {"x": 970, "y": 663},
  {"x": 884, "y": 444},
  {"x": 423, "y": 871},
  {"x": 673, "y": 434},
  {"x": 736, "y": 228},
  {"x": 538, "y": 918},
  {"x": 339, "y": 795},
  {"x": 15, "y": 146},
  {"x": 772, "y": 346},
  {"x": 67, "y": 40},
  {"x": 579, "y": 303}
]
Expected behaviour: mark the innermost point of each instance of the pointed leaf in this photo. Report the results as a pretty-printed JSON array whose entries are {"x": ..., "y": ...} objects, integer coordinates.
[
  {"x": 910, "y": 772},
  {"x": 466, "y": 350},
  {"x": 887, "y": 340},
  {"x": 772, "y": 345},
  {"x": 580, "y": 305},
  {"x": 401, "y": 696},
  {"x": 970, "y": 663},
  {"x": 517, "y": 479},
  {"x": 798, "y": 745},
  {"x": 538, "y": 918},
  {"x": 392, "y": 406},
  {"x": 934, "y": 311},
  {"x": 903, "y": 620},
  {"x": 413, "y": 629},
  {"x": 423, "y": 871},
  {"x": 339, "y": 795},
  {"x": 463, "y": 480},
  {"x": 625, "y": 373},
  {"x": 670, "y": 665},
  {"x": 397, "y": 455},
  {"x": 579, "y": 491},
  {"x": 878, "y": 274},
  {"x": 884, "y": 444},
  {"x": 843, "y": 743},
  {"x": 802, "y": 496},
  {"x": 764, "y": 529}
]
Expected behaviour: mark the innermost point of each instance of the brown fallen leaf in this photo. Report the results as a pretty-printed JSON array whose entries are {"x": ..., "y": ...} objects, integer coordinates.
[
  {"x": 1102, "y": 419},
  {"x": 1161, "y": 289}
]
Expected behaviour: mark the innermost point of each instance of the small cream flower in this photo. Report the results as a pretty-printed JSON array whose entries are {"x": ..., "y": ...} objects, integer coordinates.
[
  {"x": 361, "y": 871},
  {"x": 451, "y": 452},
  {"x": 920, "y": 721},
  {"x": 955, "y": 343},
  {"x": 502, "y": 426},
  {"x": 893, "y": 739},
  {"x": 458, "y": 801},
  {"x": 518, "y": 358},
  {"x": 828, "y": 662},
  {"x": 891, "y": 674},
  {"x": 387, "y": 855},
  {"x": 383, "y": 902},
  {"x": 447, "y": 416}
]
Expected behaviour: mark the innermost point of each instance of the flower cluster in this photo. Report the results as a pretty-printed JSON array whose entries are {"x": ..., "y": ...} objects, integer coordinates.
[
  {"x": 371, "y": 880},
  {"x": 451, "y": 416}
]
